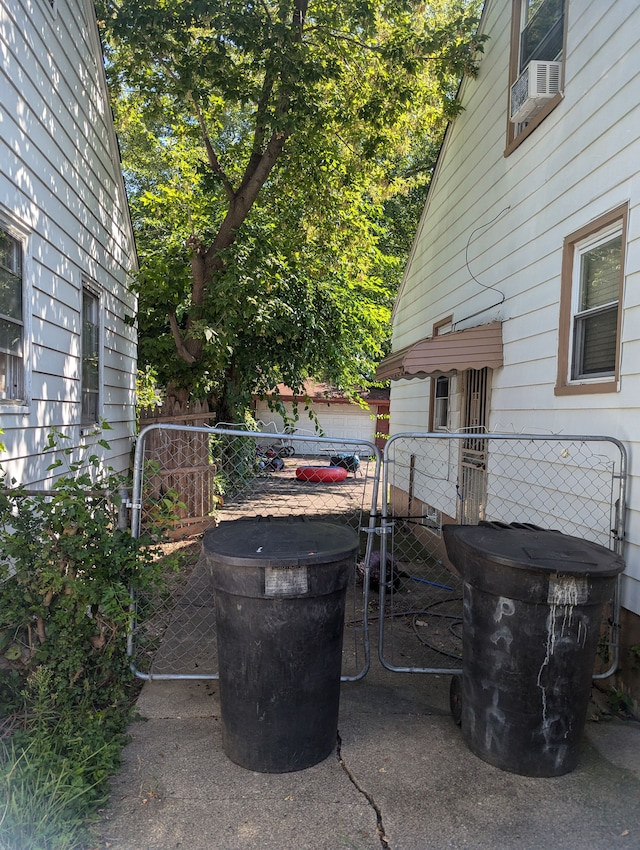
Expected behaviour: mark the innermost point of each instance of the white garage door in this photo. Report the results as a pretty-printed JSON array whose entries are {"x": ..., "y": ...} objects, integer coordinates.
[{"x": 336, "y": 420}]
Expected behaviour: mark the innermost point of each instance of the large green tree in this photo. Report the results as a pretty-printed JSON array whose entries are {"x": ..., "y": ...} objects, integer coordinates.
[{"x": 264, "y": 146}]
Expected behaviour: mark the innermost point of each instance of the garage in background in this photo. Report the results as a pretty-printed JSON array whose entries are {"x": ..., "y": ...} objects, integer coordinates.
[{"x": 337, "y": 416}]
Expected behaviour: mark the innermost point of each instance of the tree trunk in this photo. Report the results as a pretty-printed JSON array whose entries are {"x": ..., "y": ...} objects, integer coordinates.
[{"x": 206, "y": 261}]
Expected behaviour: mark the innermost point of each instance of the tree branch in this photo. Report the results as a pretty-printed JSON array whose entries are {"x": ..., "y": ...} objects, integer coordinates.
[
  {"x": 214, "y": 162},
  {"x": 177, "y": 338},
  {"x": 260, "y": 162},
  {"x": 259, "y": 131},
  {"x": 299, "y": 16},
  {"x": 245, "y": 198},
  {"x": 265, "y": 9},
  {"x": 343, "y": 36}
]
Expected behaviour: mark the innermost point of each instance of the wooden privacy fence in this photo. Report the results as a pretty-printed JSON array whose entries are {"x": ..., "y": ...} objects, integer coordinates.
[{"x": 178, "y": 463}]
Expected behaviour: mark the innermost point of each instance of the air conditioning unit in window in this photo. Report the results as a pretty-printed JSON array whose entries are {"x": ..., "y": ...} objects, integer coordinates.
[{"x": 539, "y": 82}]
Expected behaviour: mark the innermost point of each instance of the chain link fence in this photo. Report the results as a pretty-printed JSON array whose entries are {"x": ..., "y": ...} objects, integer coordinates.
[
  {"x": 402, "y": 581},
  {"x": 572, "y": 484},
  {"x": 202, "y": 476}
]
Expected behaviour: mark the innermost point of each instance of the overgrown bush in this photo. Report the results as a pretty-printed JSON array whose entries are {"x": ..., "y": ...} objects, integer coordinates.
[{"x": 66, "y": 576}]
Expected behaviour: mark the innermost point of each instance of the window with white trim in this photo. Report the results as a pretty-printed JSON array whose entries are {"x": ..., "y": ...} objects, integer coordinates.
[
  {"x": 440, "y": 387},
  {"x": 596, "y": 286},
  {"x": 542, "y": 31},
  {"x": 90, "y": 357},
  {"x": 590, "y": 307},
  {"x": 11, "y": 318}
]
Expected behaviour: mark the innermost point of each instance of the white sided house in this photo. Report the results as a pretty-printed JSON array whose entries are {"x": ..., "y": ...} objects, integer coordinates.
[
  {"x": 67, "y": 333},
  {"x": 519, "y": 310}
]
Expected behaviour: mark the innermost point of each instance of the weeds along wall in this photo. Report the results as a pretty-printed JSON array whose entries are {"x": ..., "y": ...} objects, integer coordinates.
[{"x": 67, "y": 571}]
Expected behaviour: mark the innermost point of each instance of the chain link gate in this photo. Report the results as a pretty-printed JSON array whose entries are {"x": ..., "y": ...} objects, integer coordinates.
[
  {"x": 204, "y": 476},
  {"x": 573, "y": 484}
]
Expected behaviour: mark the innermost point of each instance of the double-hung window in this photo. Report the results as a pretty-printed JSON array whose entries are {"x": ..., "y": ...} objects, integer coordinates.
[
  {"x": 11, "y": 318},
  {"x": 90, "y": 357},
  {"x": 440, "y": 389},
  {"x": 590, "y": 308},
  {"x": 536, "y": 68},
  {"x": 440, "y": 386},
  {"x": 595, "y": 318},
  {"x": 542, "y": 32}
]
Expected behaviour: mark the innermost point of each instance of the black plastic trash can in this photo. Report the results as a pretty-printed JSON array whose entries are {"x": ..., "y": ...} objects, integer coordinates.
[
  {"x": 280, "y": 590},
  {"x": 532, "y": 608}
]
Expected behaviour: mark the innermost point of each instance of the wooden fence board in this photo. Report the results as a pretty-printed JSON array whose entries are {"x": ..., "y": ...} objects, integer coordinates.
[{"x": 178, "y": 463}]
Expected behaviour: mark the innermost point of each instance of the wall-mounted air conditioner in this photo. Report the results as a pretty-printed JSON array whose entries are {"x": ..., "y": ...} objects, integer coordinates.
[{"x": 539, "y": 82}]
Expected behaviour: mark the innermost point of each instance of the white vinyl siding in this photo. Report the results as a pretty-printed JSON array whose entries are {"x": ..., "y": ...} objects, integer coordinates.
[
  {"x": 490, "y": 243},
  {"x": 60, "y": 181}
]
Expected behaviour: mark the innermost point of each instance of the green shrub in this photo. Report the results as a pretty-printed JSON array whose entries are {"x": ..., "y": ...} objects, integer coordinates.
[{"x": 67, "y": 572}]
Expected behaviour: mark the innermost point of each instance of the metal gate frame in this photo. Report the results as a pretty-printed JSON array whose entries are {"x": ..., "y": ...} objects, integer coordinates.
[
  {"x": 380, "y": 522},
  {"x": 316, "y": 445},
  {"x": 617, "y": 504}
]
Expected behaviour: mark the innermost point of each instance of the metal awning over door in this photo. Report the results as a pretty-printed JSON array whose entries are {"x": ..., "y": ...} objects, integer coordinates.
[{"x": 471, "y": 348}]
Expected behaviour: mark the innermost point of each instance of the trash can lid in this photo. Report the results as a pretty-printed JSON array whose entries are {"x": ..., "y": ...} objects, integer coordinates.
[
  {"x": 528, "y": 549},
  {"x": 279, "y": 541}
]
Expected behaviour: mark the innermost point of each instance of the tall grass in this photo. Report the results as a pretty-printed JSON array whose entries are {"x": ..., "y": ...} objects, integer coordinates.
[{"x": 46, "y": 797}]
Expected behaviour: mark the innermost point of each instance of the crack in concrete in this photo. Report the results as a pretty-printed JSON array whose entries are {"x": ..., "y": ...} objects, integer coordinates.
[{"x": 380, "y": 830}]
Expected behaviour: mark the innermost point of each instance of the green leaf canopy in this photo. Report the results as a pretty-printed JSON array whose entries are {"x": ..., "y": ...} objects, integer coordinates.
[{"x": 267, "y": 148}]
